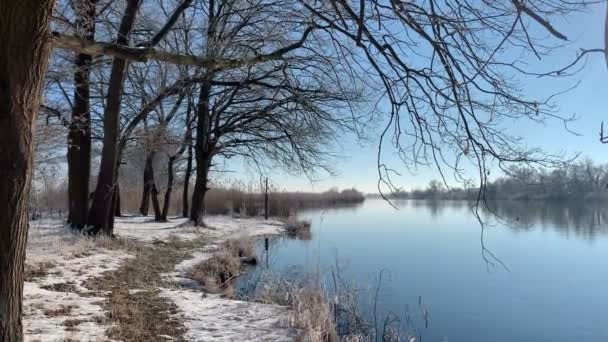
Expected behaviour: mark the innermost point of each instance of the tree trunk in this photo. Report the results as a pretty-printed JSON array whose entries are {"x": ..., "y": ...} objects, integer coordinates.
[
  {"x": 156, "y": 204},
  {"x": 150, "y": 191},
  {"x": 101, "y": 215},
  {"x": 117, "y": 209},
  {"x": 203, "y": 153},
  {"x": 170, "y": 174},
  {"x": 167, "y": 201},
  {"x": 79, "y": 135},
  {"x": 147, "y": 189},
  {"x": 188, "y": 173},
  {"x": 197, "y": 212},
  {"x": 24, "y": 26},
  {"x": 187, "y": 176}
]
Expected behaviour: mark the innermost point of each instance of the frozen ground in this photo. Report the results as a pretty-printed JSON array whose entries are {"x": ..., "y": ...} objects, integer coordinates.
[{"x": 58, "y": 306}]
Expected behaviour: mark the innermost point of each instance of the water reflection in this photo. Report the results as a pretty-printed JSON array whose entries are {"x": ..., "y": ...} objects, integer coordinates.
[
  {"x": 431, "y": 249},
  {"x": 585, "y": 220}
]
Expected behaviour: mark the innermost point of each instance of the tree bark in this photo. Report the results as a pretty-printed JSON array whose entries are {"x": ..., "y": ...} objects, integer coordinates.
[
  {"x": 150, "y": 191},
  {"x": 24, "y": 58},
  {"x": 170, "y": 174},
  {"x": 156, "y": 204},
  {"x": 167, "y": 201},
  {"x": 147, "y": 188},
  {"x": 203, "y": 152},
  {"x": 187, "y": 175},
  {"x": 117, "y": 208},
  {"x": 79, "y": 135},
  {"x": 203, "y": 161},
  {"x": 101, "y": 215}
]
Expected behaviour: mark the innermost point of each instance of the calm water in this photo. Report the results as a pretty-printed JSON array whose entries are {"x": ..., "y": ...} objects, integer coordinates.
[{"x": 555, "y": 288}]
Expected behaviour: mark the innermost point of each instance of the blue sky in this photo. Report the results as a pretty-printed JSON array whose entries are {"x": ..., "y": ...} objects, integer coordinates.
[{"x": 588, "y": 101}]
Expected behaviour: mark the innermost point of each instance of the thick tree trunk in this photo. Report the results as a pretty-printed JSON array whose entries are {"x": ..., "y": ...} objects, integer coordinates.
[
  {"x": 79, "y": 135},
  {"x": 24, "y": 27},
  {"x": 200, "y": 188},
  {"x": 101, "y": 215},
  {"x": 203, "y": 153}
]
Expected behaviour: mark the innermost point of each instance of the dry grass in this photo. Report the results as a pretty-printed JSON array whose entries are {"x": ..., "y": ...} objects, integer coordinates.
[
  {"x": 63, "y": 310},
  {"x": 310, "y": 310},
  {"x": 39, "y": 270},
  {"x": 215, "y": 273},
  {"x": 312, "y": 315},
  {"x": 241, "y": 247},
  {"x": 247, "y": 200},
  {"x": 61, "y": 287},
  {"x": 133, "y": 301}
]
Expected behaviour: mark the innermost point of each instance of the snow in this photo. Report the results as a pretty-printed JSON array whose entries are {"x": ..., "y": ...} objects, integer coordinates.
[
  {"x": 145, "y": 229},
  {"x": 42, "y": 327},
  {"x": 214, "y": 319},
  {"x": 223, "y": 228},
  {"x": 210, "y": 318},
  {"x": 73, "y": 260}
]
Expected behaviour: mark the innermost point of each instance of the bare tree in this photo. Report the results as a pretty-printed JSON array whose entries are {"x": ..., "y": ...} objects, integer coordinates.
[
  {"x": 448, "y": 71},
  {"x": 283, "y": 112},
  {"x": 79, "y": 137}
]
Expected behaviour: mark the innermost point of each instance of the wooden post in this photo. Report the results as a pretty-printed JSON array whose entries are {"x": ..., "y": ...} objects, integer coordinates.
[{"x": 266, "y": 201}]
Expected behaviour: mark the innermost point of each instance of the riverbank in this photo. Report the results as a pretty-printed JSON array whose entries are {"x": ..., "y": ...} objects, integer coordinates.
[{"x": 137, "y": 287}]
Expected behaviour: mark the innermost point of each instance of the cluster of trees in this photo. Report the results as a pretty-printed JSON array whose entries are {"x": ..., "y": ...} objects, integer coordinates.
[
  {"x": 575, "y": 181},
  {"x": 273, "y": 81}
]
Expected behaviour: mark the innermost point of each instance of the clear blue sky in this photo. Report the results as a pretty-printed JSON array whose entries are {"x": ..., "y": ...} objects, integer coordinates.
[{"x": 589, "y": 101}]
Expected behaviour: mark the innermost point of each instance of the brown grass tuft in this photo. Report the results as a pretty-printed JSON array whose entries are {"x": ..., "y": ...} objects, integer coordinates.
[
  {"x": 63, "y": 310},
  {"x": 310, "y": 310},
  {"x": 215, "y": 274},
  {"x": 61, "y": 287},
  {"x": 39, "y": 270},
  {"x": 241, "y": 247}
]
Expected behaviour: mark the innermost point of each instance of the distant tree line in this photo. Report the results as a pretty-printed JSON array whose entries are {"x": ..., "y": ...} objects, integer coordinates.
[{"x": 582, "y": 180}]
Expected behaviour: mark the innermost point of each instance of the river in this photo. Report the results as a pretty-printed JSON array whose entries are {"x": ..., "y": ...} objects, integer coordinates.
[{"x": 541, "y": 273}]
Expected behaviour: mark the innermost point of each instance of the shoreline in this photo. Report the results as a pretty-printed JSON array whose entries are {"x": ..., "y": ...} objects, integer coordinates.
[{"x": 61, "y": 304}]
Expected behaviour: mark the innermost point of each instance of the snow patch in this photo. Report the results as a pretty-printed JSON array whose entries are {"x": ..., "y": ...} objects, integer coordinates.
[
  {"x": 214, "y": 319},
  {"x": 58, "y": 306}
]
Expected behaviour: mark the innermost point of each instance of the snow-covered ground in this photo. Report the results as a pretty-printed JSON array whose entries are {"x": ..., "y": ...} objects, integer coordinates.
[
  {"x": 59, "y": 307},
  {"x": 209, "y": 318}
]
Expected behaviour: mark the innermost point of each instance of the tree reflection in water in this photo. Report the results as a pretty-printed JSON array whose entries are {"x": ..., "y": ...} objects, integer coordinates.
[{"x": 586, "y": 220}]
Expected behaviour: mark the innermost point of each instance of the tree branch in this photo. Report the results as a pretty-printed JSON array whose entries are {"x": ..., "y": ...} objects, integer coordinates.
[
  {"x": 547, "y": 25},
  {"x": 168, "y": 25},
  {"x": 143, "y": 54}
]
